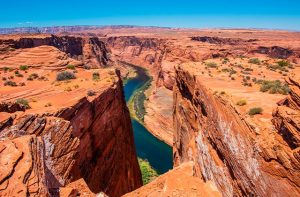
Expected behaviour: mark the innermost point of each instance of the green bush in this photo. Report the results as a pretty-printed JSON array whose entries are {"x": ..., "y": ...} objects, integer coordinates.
[
  {"x": 212, "y": 65},
  {"x": 96, "y": 76},
  {"x": 241, "y": 102},
  {"x": 65, "y": 75},
  {"x": 148, "y": 173},
  {"x": 23, "y": 67},
  {"x": 281, "y": 65},
  {"x": 70, "y": 66},
  {"x": 255, "y": 61},
  {"x": 273, "y": 87},
  {"x": 255, "y": 110},
  {"x": 24, "y": 102}
]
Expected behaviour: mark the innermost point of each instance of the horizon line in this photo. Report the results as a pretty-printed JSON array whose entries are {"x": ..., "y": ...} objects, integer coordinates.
[{"x": 153, "y": 26}]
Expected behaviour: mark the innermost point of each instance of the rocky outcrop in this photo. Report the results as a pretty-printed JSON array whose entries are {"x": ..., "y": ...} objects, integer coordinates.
[
  {"x": 242, "y": 159},
  {"x": 287, "y": 116},
  {"x": 275, "y": 52},
  {"x": 218, "y": 40},
  {"x": 135, "y": 50},
  {"x": 11, "y": 107},
  {"x": 92, "y": 139},
  {"x": 90, "y": 50},
  {"x": 177, "y": 182}
]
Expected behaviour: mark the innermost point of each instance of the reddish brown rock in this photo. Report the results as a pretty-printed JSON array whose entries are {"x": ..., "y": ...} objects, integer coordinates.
[
  {"x": 287, "y": 116},
  {"x": 177, "y": 182},
  {"x": 80, "y": 137},
  {"x": 242, "y": 158},
  {"x": 89, "y": 50},
  {"x": 22, "y": 167}
]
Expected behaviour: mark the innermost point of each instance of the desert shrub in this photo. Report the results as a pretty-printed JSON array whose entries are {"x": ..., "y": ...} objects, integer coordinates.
[
  {"x": 283, "y": 63},
  {"x": 212, "y": 65},
  {"x": 241, "y": 102},
  {"x": 24, "y": 102},
  {"x": 232, "y": 71},
  {"x": 70, "y": 66},
  {"x": 7, "y": 69},
  {"x": 225, "y": 70},
  {"x": 96, "y": 76},
  {"x": 4, "y": 78},
  {"x": 22, "y": 84},
  {"x": 19, "y": 75},
  {"x": 48, "y": 105},
  {"x": 255, "y": 61},
  {"x": 43, "y": 78},
  {"x": 23, "y": 67},
  {"x": 68, "y": 89},
  {"x": 34, "y": 75},
  {"x": 248, "y": 69},
  {"x": 10, "y": 83},
  {"x": 65, "y": 75},
  {"x": 273, "y": 87},
  {"x": 76, "y": 86},
  {"x": 91, "y": 93},
  {"x": 255, "y": 110}
]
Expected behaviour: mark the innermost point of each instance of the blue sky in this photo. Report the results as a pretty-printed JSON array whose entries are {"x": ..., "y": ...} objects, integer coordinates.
[{"x": 272, "y": 14}]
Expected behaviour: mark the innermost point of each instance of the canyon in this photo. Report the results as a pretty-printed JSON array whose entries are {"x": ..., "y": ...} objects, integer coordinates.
[{"x": 225, "y": 100}]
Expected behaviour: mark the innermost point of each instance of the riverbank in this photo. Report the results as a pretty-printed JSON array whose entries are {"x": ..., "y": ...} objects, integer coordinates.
[{"x": 148, "y": 147}]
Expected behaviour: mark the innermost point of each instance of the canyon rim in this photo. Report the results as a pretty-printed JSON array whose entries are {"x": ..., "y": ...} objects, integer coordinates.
[{"x": 141, "y": 110}]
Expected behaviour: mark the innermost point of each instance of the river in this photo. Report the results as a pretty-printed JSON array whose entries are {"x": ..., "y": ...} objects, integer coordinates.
[{"x": 158, "y": 153}]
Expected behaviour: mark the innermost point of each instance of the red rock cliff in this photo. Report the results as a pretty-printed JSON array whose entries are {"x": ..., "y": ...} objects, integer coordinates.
[
  {"x": 237, "y": 156},
  {"x": 92, "y": 139},
  {"x": 90, "y": 50}
]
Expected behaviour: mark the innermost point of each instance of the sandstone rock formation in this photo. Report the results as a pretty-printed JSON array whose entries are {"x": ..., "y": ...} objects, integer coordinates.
[
  {"x": 45, "y": 149},
  {"x": 287, "y": 116},
  {"x": 162, "y": 50},
  {"x": 90, "y": 50},
  {"x": 177, "y": 182},
  {"x": 233, "y": 150}
]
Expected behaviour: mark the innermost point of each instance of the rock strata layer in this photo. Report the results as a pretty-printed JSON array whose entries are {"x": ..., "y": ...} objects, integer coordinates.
[
  {"x": 91, "y": 139},
  {"x": 241, "y": 158}
]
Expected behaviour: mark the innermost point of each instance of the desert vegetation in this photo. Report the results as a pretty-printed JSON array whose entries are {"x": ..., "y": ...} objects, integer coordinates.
[
  {"x": 23, "y": 102},
  {"x": 241, "y": 102},
  {"x": 255, "y": 61},
  {"x": 96, "y": 76},
  {"x": 23, "y": 67},
  {"x": 65, "y": 75},
  {"x": 255, "y": 110},
  {"x": 148, "y": 173},
  {"x": 273, "y": 87}
]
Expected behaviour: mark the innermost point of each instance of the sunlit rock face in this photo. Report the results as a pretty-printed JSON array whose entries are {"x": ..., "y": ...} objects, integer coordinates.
[
  {"x": 241, "y": 158},
  {"x": 78, "y": 137}
]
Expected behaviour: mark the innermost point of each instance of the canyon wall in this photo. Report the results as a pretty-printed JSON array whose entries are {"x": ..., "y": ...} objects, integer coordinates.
[
  {"x": 92, "y": 139},
  {"x": 240, "y": 157},
  {"x": 90, "y": 50}
]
